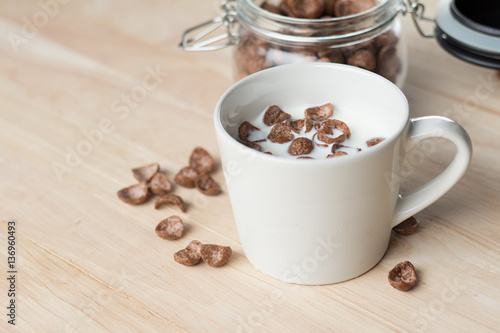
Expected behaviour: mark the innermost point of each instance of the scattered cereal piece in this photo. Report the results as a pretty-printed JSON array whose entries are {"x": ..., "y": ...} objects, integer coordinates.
[
  {"x": 319, "y": 113},
  {"x": 374, "y": 141},
  {"x": 160, "y": 184},
  {"x": 305, "y": 158},
  {"x": 170, "y": 228},
  {"x": 403, "y": 276},
  {"x": 170, "y": 199},
  {"x": 207, "y": 185},
  {"x": 274, "y": 115},
  {"x": 134, "y": 194},
  {"x": 215, "y": 255},
  {"x": 407, "y": 227},
  {"x": 145, "y": 173},
  {"x": 186, "y": 177},
  {"x": 201, "y": 160},
  {"x": 189, "y": 256},
  {"x": 301, "y": 146},
  {"x": 281, "y": 133},
  {"x": 245, "y": 129},
  {"x": 337, "y": 124}
]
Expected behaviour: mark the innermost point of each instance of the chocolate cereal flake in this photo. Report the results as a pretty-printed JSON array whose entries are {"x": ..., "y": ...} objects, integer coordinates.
[
  {"x": 274, "y": 115},
  {"x": 189, "y": 256},
  {"x": 388, "y": 62},
  {"x": 300, "y": 146},
  {"x": 309, "y": 9},
  {"x": 170, "y": 199},
  {"x": 351, "y": 7},
  {"x": 407, "y": 227},
  {"x": 215, "y": 255},
  {"x": 145, "y": 173},
  {"x": 337, "y": 124},
  {"x": 271, "y": 8},
  {"x": 160, "y": 184},
  {"x": 207, "y": 185},
  {"x": 245, "y": 129},
  {"x": 201, "y": 160},
  {"x": 170, "y": 228},
  {"x": 319, "y": 113},
  {"x": 374, "y": 141},
  {"x": 134, "y": 194},
  {"x": 403, "y": 276},
  {"x": 337, "y": 154},
  {"x": 281, "y": 133},
  {"x": 363, "y": 58},
  {"x": 186, "y": 177},
  {"x": 298, "y": 124},
  {"x": 252, "y": 145}
]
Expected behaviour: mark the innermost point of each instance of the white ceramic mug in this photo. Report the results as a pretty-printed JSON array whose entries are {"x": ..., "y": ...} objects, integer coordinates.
[{"x": 326, "y": 221}]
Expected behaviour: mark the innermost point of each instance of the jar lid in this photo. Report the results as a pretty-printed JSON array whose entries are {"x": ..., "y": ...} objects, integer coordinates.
[{"x": 470, "y": 30}]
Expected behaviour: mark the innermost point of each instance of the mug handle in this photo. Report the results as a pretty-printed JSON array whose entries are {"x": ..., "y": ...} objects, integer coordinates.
[{"x": 412, "y": 202}]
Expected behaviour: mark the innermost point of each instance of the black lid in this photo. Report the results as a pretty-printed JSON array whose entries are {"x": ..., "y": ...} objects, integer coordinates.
[{"x": 470, "y": 30}]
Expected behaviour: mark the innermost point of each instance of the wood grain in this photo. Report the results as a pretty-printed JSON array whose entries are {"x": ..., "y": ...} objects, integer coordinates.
[{"x": 89, "y": 263}]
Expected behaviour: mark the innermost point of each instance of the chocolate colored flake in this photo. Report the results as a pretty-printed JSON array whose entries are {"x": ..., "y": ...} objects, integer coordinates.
[
  {"x": 351, "y": 7},
  {"x": 252, "y": 145},
  {"x": 134, "y": 194},
  {"x": 160, "y": 184},
  {"x": 337, "y": 124},
  {"x": 170, "y": 199},
  {"x": 170, "y": 228},
  {"x": 319, "y": 113},
  {"x": 305, "y": 158},
  {"x": 374, "y": 141},
  {"x": 337, "y": 154},
  {"x": 403, "y": 276},
  {"x": 186, "y": 177},
  {"x": 310, "y": 9},
  {"x": 274, "y": 115},
  {"x": 407, "y": 227},
  {"x": 189, "y": 256},
  {"x": 388, "y": 63},
  {"x": 245, "y": 129},
  {"x": 281, "y": 133},
  {"x": 329, "y": 7},
  {"x": 215, "y": 255},
  {"x": 145, "y": 173},
  {"x": 363, "y": 58},
  {"x": 207, "y": 185},
  {"x": 201, "y": 160},
  {"x": 271, "y": 8},
  {"x": 299, "y": 124},
  {"x": 300, "y": 146}
]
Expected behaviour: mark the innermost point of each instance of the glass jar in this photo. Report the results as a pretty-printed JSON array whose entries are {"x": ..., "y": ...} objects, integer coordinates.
[{"x": 371, "y": 40}]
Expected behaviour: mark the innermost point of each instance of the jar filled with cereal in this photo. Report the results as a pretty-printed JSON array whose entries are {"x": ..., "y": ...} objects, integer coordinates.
[{"x": 267, "y": 33}]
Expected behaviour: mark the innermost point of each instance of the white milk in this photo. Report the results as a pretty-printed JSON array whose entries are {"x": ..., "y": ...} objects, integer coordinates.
[{"x": 362, "y": 128}]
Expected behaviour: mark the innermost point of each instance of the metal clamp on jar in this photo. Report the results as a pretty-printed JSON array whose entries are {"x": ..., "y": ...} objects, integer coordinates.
[{"x": 371, "y": 39}]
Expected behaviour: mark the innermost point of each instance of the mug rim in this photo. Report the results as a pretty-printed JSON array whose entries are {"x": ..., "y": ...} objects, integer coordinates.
[{"x": 219, "y": 128}]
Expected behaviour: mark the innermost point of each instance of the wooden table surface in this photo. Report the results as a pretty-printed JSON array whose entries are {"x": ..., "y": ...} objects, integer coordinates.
[{"x": 86, "y": 262}]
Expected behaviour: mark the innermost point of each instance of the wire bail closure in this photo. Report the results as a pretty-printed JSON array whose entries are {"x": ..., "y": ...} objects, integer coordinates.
[
  {"x": 417, "y": 11},
  {"x": 197, "y": 38}
]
